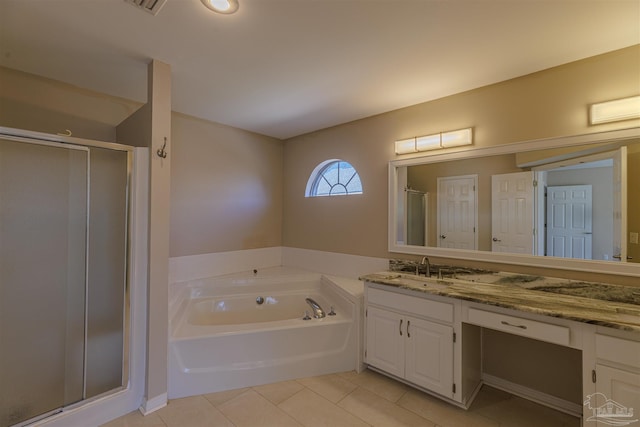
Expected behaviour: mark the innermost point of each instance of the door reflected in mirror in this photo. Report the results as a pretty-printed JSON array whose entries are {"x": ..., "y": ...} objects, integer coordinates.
[{"x": 578, "y": 202}]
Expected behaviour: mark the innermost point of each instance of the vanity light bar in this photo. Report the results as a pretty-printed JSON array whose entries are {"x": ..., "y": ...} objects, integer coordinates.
[
  {"x": 457, "y": 138},
  {"x": 429, "y": 142},
  {"x": 453, "y": 138},
  {"x": 613, "y": 111},
  {"x": 406, "y": 146}
]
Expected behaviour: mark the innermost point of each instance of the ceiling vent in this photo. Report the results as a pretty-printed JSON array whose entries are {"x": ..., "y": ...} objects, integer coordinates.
[{"x": 151, "y": 6}]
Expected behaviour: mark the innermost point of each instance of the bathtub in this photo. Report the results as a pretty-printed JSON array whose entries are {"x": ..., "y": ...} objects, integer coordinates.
[{"x": 221, "y": 338}]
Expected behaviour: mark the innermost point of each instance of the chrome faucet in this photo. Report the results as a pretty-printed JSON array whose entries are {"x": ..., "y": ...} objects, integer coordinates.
[
  {"x": 425, "y": 261},
  {"x": 318, "y": 312}
]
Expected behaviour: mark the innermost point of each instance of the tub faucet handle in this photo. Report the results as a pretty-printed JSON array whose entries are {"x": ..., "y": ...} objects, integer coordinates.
[
  {"x": 306, "y": 315},
  {"x": 331, "y": 312},
  {"x": 318, "y": 312}
]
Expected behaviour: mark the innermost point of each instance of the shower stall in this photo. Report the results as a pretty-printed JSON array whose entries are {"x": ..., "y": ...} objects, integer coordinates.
[
  {"x": 417, "y": 203},
  {"x": 64, "y": 291}
]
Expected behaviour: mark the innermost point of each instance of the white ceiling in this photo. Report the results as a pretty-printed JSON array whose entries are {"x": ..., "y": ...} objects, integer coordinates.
[{"x": 287, "y": 67}]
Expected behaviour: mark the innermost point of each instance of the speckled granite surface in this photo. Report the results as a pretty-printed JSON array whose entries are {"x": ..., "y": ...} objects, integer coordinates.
[{"x": 596, "y": 303}]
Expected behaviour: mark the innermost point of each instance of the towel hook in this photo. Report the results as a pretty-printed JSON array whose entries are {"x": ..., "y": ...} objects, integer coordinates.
[{"x": 162, "y": 152}]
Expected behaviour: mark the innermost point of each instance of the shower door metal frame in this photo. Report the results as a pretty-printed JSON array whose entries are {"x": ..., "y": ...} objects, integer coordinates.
[{"x": 81, "y": 144}]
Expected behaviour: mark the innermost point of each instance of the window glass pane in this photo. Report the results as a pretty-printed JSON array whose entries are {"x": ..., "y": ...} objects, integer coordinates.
[
  {"x": 355, "y": 186},
  {"x": 331, "y": 174},
  {"x": 338, "y": 190},
  {"x": 334, "y": 178},
  {"x": 323, "y": 188},
  {"x": 346, "y": 172}
]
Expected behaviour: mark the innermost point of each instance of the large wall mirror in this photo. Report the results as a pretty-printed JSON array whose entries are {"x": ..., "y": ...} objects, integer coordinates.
[{"x": 571, "y": 202}]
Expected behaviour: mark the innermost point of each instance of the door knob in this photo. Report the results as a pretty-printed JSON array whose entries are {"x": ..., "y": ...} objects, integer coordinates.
[
  {"x": 443, "y": 236},
  {"x": 495, "y": 239}
]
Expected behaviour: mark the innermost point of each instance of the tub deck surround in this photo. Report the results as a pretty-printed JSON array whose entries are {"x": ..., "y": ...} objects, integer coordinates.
[
  {"x": 248, "y": 329},
  {"x": 573, "y": 300}
]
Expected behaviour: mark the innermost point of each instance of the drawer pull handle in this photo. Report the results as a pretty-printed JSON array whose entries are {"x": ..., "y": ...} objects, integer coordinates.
[
  {"x": 400, "y": 327},
  {"x": 515, "y": 326}
]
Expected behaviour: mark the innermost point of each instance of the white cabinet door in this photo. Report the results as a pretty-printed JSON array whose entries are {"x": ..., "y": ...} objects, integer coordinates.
[
  {"x": 429, "y": 355},
  {"x": 385, "y": 341},
  {"x": 617, "y": 398}
]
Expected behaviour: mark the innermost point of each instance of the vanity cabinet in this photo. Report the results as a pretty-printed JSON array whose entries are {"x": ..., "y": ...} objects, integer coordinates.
[
  {"x": 617, "y": 377},
  {"x": 449, "y": 346},
  {"x": 411, "y": 338}
]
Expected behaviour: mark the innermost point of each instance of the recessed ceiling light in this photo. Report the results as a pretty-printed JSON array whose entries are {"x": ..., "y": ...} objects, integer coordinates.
[{"x": 222, "y": 6}]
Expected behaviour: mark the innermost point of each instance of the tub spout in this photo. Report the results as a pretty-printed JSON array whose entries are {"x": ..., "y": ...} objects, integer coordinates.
[{"x": 318, "y": 312}]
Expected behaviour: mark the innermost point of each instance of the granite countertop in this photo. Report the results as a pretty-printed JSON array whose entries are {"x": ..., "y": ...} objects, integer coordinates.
[{"x": 596, "y": 303}]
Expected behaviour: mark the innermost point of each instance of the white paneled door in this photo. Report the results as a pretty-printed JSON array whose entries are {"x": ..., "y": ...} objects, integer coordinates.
[
  {"x": 512, "y": 212},
  {"x": 458, "y": 212},
  {"x": 569, "y": 221}
]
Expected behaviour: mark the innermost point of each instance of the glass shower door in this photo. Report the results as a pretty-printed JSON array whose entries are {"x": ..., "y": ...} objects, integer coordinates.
[{"x": 43, "y": 272}]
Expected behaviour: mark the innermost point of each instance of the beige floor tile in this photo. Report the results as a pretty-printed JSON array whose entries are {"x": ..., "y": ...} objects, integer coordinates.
[
  {"x": 332, "y": 387},
  {"x": 312, "y": 410},
  {"x": 279, "y": 392},
  {"x": 379, "y": 412},
  {"x": 136, "y": 419},
  {"x": 518, "y": 412},
  {"x": 442, "y": 413},
  {"x": 220, "y": 397},
  {"x": 193, "y": 411},
  {"x": 250, "y": 409},
  {"x": 488, "y": 397},
  {"x": 379, "y": 384}
]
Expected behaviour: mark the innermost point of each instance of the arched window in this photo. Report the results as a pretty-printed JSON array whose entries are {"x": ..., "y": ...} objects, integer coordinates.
[{"x": 333, "y": 178}]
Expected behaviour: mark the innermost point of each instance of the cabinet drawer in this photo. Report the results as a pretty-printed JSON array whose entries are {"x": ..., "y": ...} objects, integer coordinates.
[
  {"x": 519, "y": 326},
  {"x": 618, "y": 350},
  {"x": 414, "y": 305}
]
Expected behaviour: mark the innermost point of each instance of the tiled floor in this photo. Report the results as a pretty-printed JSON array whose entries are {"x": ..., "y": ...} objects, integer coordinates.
[{"x": 344, "y": 400}]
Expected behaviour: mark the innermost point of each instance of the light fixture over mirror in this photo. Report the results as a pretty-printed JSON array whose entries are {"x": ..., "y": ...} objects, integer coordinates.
[
  {"x": 222, "y": 6},
  {"x": 554, "y": 162},
  {"x": 613, "y": 111},
  {"x": 454, "y": 138}
]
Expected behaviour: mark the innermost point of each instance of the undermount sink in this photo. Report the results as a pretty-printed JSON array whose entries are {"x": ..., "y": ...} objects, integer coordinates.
[{"x": 420, "y": 281}]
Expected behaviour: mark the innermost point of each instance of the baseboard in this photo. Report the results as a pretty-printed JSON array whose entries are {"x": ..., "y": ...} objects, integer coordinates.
[
  {"x": 533, "y": 395},
  {"x": 152, "y": 405}
]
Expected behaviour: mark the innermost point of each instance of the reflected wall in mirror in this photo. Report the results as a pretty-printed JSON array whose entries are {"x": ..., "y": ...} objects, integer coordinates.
[{"x": 581, "y": 201}]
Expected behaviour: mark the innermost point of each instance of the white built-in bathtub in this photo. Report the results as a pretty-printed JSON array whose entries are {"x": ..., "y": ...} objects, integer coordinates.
[{"x": 221, "y": 338}]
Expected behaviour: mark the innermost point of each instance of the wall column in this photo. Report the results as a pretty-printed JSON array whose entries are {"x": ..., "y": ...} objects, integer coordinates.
[{"x": 159, "y": 82}]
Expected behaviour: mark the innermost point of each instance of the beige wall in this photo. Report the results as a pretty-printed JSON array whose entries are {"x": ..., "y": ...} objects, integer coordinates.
[
  {"x": 226, "y": 183},
  {"x": 633, "y": 220},
  {"x": 550, "y": 103},
  {"x": 38, "y": 104},
  {"x": 425, "y": 178},
  {"x": 226, "y": 188}
]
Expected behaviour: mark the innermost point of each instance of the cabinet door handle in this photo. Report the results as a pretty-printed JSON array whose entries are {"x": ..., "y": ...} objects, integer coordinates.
[
  {"x": 400, "y": 327},
  {"x": 511, "y": 324},
  {"x": 408, "y": 323}
]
